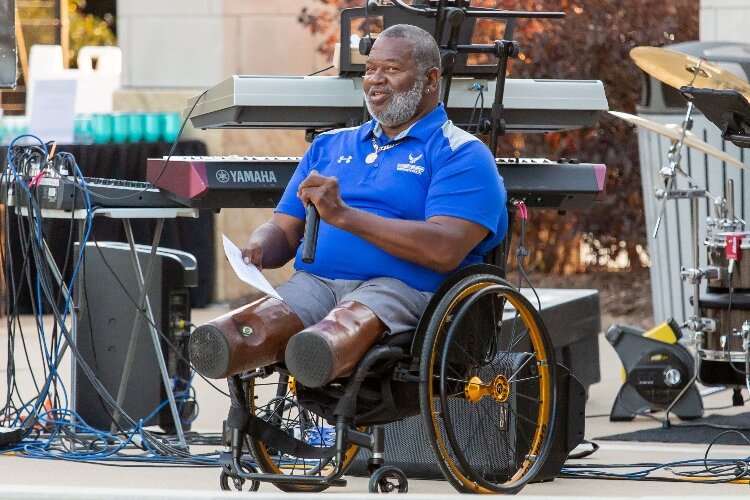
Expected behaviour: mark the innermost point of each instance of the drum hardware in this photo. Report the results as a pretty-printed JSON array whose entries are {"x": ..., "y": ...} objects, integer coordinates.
[
  {"x": 696, "y": 275},
  {"x": 725, "y": 224},
  {"x": 678, "y": 70},
  {"x": 680, "y": 137}
]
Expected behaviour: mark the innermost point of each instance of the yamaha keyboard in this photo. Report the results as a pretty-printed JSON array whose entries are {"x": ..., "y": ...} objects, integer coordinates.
[
  {"x": 257, "y": 182},
  {"x": 325, "y": 102}
]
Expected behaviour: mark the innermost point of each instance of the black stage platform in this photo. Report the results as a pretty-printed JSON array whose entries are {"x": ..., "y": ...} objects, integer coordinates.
[{"x": 573, "y": 320}]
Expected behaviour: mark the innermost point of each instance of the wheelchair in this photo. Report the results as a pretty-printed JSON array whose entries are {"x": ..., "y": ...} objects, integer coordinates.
[{"x": 479, "y": 369}]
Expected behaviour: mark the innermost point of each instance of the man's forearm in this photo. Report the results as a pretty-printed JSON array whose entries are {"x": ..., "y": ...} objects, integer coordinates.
[
  {"x": 439, "y": 244},
  {"x": 276, "y": 248}
]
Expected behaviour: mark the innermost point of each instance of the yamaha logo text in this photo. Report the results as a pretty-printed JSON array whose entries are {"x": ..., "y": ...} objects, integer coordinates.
[{"x": 246, "y": 176}]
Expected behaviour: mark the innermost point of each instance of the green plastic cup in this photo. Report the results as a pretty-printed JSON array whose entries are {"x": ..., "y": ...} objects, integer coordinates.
[
  {"x": 83, "y": 131},
  {"x": 102, "y": 128},
  {"x": 120, "y": 127},
  {"x": 135, "y": 127},
  {"x": 151, "y": 127},
  {"x": 170, "y": 126}
]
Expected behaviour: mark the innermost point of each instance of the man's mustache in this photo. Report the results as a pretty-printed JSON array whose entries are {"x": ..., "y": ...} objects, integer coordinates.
[{"x": 381, "y": 90}]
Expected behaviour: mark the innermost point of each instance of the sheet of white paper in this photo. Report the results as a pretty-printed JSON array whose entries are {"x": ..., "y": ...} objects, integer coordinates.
[
  {"x": 52, "y": 111},
  {"x": 247, "y": 272}
]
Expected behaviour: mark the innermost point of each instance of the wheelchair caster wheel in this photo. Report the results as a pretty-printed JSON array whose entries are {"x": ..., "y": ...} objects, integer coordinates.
[
  {"x": 237, "y": 482},
  {"x": 387, "y": 480}
]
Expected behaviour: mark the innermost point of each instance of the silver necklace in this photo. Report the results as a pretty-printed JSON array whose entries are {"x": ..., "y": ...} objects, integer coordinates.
[{"x": 374, "y": 155}]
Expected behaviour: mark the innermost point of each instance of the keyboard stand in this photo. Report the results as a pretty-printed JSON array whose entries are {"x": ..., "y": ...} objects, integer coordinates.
[{"x": 144, "y": 281}]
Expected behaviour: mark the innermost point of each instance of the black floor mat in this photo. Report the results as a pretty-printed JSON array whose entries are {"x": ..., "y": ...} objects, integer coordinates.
[{"x": 736, "y": 429}]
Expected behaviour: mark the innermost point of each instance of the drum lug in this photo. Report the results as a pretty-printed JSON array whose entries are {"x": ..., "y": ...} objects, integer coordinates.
[
  {"x": 712, "y": 273},
  {"x": 699, "y": 326},
  {"x": 709, "y": 325},
  {"x": 696, "y": 275}
]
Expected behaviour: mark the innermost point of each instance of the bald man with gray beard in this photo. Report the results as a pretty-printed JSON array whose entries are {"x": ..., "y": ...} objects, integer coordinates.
[{"x": 404, "y": 200}]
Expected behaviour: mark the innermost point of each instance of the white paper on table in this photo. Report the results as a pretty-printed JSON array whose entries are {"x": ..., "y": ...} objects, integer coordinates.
[
  {"x": 247, "y": 272},
  {"x": 52, "y": 111}
]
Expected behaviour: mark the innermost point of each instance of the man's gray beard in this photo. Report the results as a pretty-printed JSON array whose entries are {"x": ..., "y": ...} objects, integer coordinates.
[{"x": 403, "y": 106}]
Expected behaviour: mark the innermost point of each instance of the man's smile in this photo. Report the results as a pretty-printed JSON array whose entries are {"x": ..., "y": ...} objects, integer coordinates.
[{"x": 378, "y": 96}]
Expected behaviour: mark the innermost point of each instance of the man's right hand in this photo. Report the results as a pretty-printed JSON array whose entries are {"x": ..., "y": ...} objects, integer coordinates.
[
  {"x": 274, "y": 243},
  {"x": 253, "y": 254}
]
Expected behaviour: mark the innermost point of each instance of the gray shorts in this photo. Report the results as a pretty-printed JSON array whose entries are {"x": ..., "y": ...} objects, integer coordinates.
[{"x": 397, "y": 304}]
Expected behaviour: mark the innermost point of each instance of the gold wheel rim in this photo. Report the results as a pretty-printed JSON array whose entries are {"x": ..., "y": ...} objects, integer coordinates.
[{"x": 544, "y": 390}]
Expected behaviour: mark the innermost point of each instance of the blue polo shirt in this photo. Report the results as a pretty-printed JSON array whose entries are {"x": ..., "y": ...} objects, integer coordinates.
[{"x": 434, "y": 169}]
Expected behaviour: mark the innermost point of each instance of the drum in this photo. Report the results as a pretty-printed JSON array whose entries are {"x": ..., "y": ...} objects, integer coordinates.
[
  {"x": 719, "y": 253},
  {"x": 725, "y": 341},
  {"x": 720, "y": 350}
]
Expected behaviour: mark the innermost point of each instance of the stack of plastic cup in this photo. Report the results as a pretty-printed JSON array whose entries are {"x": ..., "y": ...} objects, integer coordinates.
[{"x": 122, "y": 127}]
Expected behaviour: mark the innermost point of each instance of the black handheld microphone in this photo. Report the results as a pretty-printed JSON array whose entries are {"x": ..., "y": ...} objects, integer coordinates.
[{"x": 312, "y": 221}]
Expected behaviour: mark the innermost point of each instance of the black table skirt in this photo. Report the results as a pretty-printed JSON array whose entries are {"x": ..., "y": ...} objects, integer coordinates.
[{"x": 128, "y": 161}]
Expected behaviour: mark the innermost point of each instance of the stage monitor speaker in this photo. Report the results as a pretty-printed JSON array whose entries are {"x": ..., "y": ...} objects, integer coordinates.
[
  {"x": 407, "y": 446},
  {"x": 8, "y": 55},
  {"x": 106, "y": 315}
]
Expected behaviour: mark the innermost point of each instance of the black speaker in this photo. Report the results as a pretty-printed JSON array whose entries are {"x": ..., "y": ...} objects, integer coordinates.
[
  {"x": 407, "y": 447},
  {"x": 8, "y": 56},
  {"x": 107, "y": 311}
]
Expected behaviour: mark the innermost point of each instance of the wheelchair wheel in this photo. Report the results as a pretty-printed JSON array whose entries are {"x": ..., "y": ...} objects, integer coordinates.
[
  {"x": 488, "y": 390},
  {"x": 275, "y": 401}
]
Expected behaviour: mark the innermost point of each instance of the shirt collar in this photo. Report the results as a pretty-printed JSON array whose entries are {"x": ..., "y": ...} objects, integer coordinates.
[{"x": 422, "y": 129}]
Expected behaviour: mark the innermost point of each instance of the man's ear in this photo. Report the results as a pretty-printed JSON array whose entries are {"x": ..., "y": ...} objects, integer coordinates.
[{"x": 433, "y": 79}]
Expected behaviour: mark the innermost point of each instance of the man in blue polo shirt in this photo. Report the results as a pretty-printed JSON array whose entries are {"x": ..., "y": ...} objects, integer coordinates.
[{"x": 404, "y": 200}]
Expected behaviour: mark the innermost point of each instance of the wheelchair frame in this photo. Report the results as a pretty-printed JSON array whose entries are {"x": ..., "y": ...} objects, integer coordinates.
[{"x": 425, "y": 363}]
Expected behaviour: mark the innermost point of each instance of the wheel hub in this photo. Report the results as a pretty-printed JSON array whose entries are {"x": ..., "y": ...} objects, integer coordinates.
[{"x": 498, "y": 389}]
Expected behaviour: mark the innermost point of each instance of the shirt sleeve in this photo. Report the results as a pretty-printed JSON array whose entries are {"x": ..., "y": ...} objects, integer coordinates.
[
  {"x": 467, "y": 185},
  {"x": 290, "y": 204}
]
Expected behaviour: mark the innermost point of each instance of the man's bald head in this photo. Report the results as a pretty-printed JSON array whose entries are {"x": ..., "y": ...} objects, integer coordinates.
[{"x": 425, "y": 50}]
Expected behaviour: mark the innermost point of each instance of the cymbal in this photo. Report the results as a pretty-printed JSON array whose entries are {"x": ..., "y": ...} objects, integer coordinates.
[
  {"x": 674, "y": 133},
  {"x": 677, "y": 70}
]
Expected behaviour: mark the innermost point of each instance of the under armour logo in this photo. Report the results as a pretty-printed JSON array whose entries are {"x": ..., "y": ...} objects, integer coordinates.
[
  {"x": 347, "y": 159},
  {"x": 413, "y": 160}
]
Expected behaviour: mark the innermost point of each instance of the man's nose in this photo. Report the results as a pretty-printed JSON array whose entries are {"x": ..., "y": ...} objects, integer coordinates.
[{"x": 376, "y": 76}]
